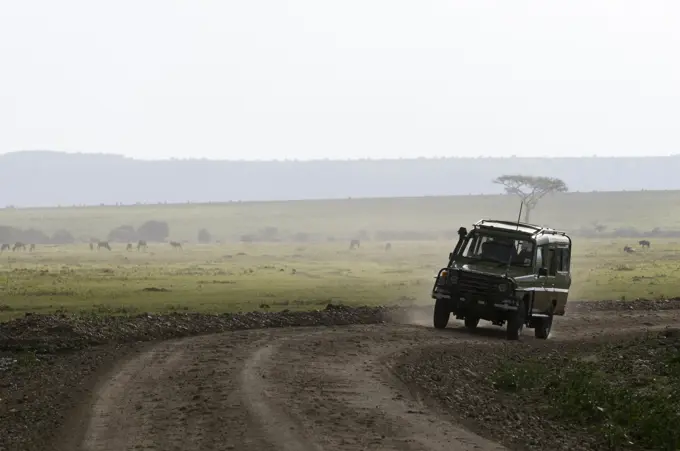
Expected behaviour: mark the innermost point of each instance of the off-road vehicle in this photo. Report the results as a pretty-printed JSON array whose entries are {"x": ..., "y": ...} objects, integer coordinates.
[{"x": 505, "y": 272}]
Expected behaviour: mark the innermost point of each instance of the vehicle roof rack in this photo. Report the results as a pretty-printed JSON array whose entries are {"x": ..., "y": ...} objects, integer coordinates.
[
  {"x": 552, "y": 232},
  {"x": 531, "y": 229}
]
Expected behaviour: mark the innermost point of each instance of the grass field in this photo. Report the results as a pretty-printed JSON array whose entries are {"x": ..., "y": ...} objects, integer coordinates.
[
  {"x": 319, "y": 268},
  {"x": 239, "y": 277}
]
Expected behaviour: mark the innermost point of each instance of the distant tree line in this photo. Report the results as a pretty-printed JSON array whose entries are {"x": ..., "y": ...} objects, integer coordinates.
[
  {"x": 13, "y": 234},
  {"x": 159, "y": 231},
  {"x": 150, "y": 231}
]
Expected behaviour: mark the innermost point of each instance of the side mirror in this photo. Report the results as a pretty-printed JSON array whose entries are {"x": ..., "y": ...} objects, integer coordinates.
[
  {"x": 542, "y": 272},
  {"x": 450, "y": 255}
]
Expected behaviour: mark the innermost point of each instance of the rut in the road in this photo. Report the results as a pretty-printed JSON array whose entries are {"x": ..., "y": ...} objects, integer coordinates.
[
  {"x": 114, "y": 401},
  {"x": 274, "y": 421},
  {"x": 179, "y": 395}
]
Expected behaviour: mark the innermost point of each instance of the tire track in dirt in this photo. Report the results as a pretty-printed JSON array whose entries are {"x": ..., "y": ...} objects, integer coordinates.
[
  {"x": 114, "y": 403},
  {"x": 309, "y": 389},
  {"x": 178, "y": 395},
  {"x": 280, "y": 429}
]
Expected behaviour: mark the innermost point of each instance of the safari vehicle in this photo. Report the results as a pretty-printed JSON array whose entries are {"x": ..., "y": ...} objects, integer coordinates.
[{"x": 505, "y": 272}]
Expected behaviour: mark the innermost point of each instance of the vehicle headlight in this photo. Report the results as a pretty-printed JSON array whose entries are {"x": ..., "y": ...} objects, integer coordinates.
[
  {"x": 503, "y": 287},
  {"x": 453, "y": 278}
]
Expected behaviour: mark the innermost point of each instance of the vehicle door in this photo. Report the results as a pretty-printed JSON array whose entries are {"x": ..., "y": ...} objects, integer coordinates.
[
  {"x": 562, "y": 278},
  {"x": 546, "y": 258}
]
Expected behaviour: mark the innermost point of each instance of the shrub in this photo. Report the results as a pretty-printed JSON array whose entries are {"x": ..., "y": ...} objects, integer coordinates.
[
  {"x": 269, "y": 234},
  {"x": 301, "y": 237},
  {"x": 123, "y": 234},
  {"x": 247, "y": 238},
  {"x": 62, "y": 237},
  {"x": 154, "y": 231},
  {"x": 9, "y": 234},
  {"x": 34, "y": 236},
  {"x": 204, "y": 237}
]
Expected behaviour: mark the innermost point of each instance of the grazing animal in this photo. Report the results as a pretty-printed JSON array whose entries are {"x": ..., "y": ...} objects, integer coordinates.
[
  {"x": 141, "y": 244},
  {"x": 628, "y": 249},
  {"x": 176, "y": 244},
  {"x": 128, "y": 247},
  {"x": 31, "y": 248},
  {"x": 19, "y": 245},
  {"x": 5, "y": 247},
  {"x": 388, "y": 246},
  {"x": 104, "y": 244},
  {"x": 644, "y": 243},
  {"x": 354, "y": 244},
  {"x": 91, "y": 246}
]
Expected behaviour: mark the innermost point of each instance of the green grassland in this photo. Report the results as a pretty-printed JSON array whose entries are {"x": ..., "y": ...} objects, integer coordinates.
[
  {"x": 626, "y": 402},
  {"x": 241, "y": 277},
  {"x": 341, "y": 219},
  {"x": 237, "y": 276},
  {"x": 210, "y": 277}
]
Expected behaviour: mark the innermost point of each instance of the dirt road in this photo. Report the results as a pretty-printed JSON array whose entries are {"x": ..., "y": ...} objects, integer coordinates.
[{"x": 302, "y": 389}]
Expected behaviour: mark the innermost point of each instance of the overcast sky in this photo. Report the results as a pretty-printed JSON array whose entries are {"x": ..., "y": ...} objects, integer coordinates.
[{"x": 263, "y": 79}]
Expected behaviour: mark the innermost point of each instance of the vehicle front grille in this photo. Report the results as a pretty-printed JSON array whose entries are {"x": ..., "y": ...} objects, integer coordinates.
[{"x": 477, "y": 284}]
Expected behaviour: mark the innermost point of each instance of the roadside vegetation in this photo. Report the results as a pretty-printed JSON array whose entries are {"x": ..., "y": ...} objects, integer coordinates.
[
  {"x": 623, "y": 393},
  {"x": 627, "y": 393}
]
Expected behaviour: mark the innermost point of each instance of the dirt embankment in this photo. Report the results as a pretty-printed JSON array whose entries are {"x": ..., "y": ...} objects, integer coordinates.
[
  {"x": 54, "y": 333},
  {"x": 320, "y": 387}
]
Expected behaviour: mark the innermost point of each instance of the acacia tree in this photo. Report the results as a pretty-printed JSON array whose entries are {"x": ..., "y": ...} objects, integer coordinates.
[{"x": 530, "y": 189}]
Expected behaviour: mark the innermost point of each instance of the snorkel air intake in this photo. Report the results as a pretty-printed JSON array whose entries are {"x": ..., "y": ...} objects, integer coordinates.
[{"x": 462, "y": 233}]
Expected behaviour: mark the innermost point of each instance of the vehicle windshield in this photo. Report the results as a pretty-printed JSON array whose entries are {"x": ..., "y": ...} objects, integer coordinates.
[{"x": 500, "y": 249}]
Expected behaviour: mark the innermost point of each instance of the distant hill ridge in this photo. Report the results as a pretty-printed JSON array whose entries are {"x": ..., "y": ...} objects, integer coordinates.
[{"x": 46, "y": 178}]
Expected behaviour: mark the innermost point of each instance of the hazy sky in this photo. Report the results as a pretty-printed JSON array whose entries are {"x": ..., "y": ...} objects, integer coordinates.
[{"x": 261, "y": 79}]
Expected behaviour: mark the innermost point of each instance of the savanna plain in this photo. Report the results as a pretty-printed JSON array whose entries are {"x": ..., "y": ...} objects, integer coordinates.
[{"x": 267, "y": 330}]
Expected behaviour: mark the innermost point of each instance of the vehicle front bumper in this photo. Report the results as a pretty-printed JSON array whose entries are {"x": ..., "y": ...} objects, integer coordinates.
[{"x": 508, "y": 303}]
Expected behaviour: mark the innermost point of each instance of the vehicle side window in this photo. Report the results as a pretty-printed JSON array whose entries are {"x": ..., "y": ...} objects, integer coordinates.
[
  {"x": 539, "y": 257},
  {"x": 547, "y": 258},
  {"x": 563, "y": 259},
  {"x": 552, "y": 261}
]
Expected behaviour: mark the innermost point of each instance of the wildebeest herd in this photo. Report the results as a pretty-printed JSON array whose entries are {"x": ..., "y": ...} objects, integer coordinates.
[
  {"x": 356, "y": 244},
  {"x": 141, "y": 245},
  {"x": 95, "y": 244},
  {"x": 642, "y": 243},
  {"x": 18, "y": 246}
]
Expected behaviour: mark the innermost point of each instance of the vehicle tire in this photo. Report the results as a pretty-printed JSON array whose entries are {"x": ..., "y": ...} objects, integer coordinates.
[
  {"x": 441, "y": 313},
  {"x": 542, "y": 329},
  {"x": 471, "y": 322},
  {"x": 516, "y": 322}
]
